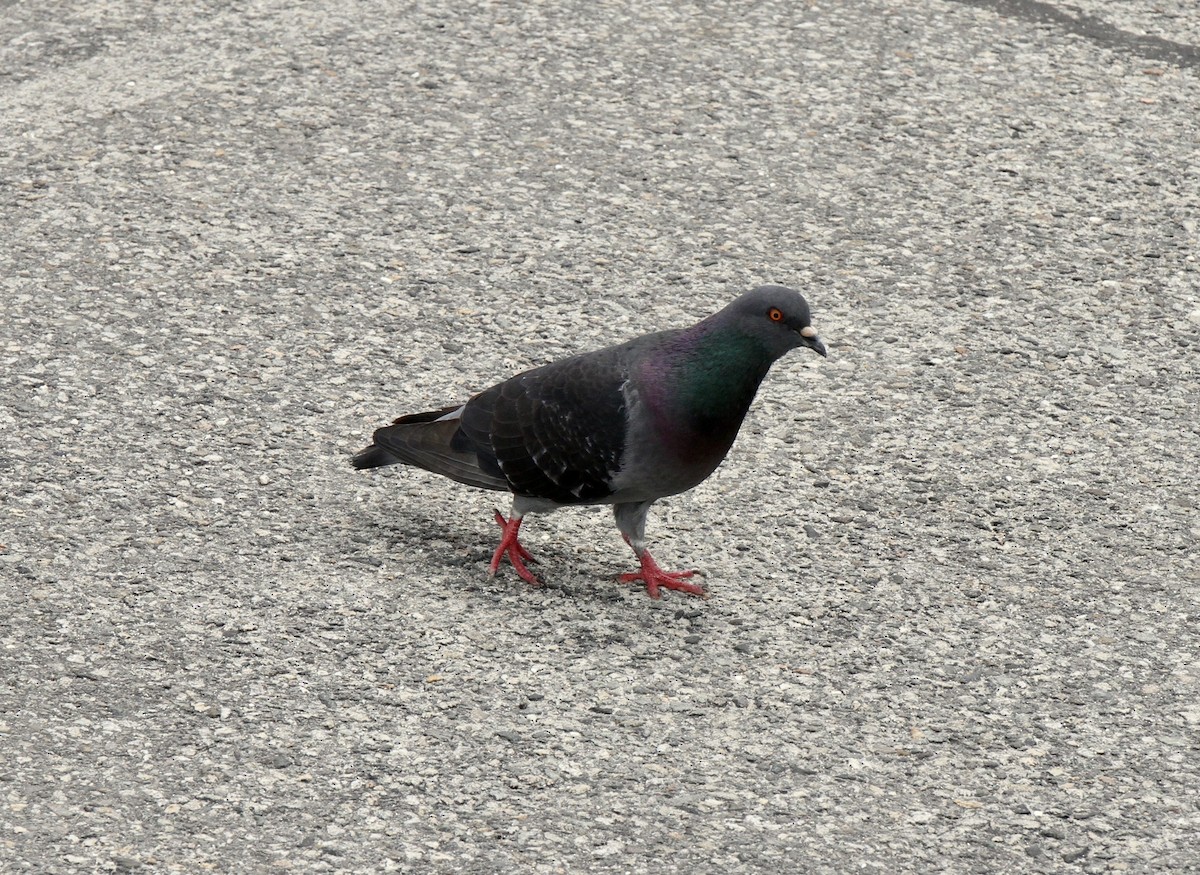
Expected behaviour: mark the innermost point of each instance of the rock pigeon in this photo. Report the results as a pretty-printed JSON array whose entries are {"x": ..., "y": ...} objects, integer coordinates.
[{"x": 626, "y": 425}]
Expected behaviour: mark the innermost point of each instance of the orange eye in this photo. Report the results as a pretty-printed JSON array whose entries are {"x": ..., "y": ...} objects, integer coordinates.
[{"x": 775, "y": 314}]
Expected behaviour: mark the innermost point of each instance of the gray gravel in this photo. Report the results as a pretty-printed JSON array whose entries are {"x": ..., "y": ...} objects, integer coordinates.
[{"x": 954, "y": 623}]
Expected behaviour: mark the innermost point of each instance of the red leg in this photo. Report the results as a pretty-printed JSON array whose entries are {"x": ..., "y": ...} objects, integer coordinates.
[
  {"x": 510, "y": 546},
  {"x": 654, "y": 577}
]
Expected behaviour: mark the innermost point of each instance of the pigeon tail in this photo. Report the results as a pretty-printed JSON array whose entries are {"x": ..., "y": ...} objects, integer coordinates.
[
  {"x": 376, "y": 456},
  {"x": 373, "y": 457},
  {"x": 432, "y": 441}
]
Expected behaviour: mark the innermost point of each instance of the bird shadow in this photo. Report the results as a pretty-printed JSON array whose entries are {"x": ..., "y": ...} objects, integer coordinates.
[{"x": 445, "y": 544}]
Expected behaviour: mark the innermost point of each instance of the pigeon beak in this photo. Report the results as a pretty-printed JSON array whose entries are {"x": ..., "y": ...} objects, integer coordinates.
[{"x": 810, "y": 339}]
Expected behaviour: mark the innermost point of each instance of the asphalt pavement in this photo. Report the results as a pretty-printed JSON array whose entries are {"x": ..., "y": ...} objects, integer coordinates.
[{"x": 954, "y": 621}]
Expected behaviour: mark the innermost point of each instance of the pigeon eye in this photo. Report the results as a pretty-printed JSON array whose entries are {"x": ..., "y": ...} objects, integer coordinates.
[{"x": 775, "y": 314}]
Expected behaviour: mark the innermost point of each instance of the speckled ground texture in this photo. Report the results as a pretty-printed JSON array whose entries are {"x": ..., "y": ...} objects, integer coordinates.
[{"x": 954, "y": 576}]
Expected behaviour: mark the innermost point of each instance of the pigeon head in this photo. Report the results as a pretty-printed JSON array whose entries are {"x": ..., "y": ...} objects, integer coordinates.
[
  {"x": 776, "y": 316},
  {"x": 711, "y": 371}
]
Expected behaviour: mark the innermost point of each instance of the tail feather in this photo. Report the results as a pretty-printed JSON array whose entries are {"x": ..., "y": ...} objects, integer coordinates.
[
  {"x": 373, "y": 457},
  {"x": 427, "y": 440},
  {"x": 429, "y": 415}
]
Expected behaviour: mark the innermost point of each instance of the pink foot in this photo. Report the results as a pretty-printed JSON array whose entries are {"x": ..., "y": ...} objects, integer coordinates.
[
  {"x": 509, "y": 545},
  {"x": 654, "y": 577}
]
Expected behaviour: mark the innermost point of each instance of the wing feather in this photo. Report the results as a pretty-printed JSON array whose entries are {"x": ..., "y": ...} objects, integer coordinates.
[{"x": 555, "y": 432}]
